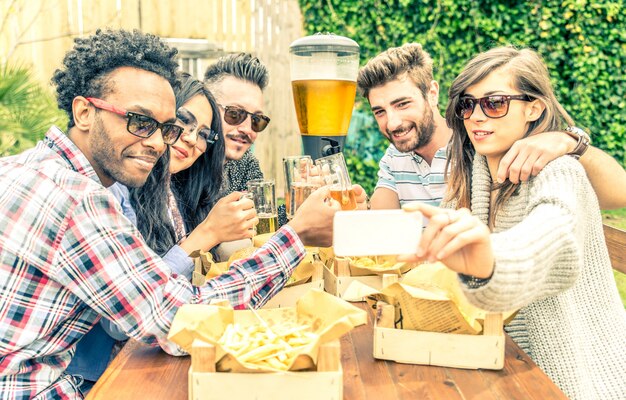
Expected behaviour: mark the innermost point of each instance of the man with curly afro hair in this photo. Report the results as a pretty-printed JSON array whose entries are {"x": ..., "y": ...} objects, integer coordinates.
[{"x": 69, "y": 256}]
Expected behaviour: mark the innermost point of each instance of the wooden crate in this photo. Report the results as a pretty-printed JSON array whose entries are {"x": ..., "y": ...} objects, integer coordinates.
[
  {"x": 324, "y": 384},
  {"x": 336, "y": 284},
  {"x": 288, "y": 296},
  {"x": 442, "y": 349}
]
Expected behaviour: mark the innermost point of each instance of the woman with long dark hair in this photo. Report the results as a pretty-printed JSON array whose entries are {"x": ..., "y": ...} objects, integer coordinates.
[
  {"x": 195, "y": 163},
  {"x": 536, "y": 246}
]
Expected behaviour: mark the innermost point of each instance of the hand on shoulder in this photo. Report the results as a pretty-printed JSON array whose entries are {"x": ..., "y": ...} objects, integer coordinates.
[{"x": 530, "y": 155}]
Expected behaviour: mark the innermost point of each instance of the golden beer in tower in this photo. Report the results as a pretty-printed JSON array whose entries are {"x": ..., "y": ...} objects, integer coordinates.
[
  {"x": 268, "y": 223},
  {"x": 323, "y": 106}
]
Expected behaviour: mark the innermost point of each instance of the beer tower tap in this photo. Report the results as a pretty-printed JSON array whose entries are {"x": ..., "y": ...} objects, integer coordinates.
[
  {"x": 324, "y": 68},
  {"x": 331, "y": 148}
]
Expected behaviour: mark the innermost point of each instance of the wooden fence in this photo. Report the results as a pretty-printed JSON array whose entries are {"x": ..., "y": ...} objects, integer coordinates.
[{"x": 39, "y": 32}]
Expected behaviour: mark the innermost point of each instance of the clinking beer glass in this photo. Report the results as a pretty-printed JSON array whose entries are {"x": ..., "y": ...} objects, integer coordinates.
[
  {"x": 334, "y": 173},
  {"x": 299, "y": 183}
]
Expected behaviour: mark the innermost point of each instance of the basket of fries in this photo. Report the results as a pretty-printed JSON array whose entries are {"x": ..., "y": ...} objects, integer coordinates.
[
  {"x": 375, "y": 272},
  {"x": 248, "y": 354},
  {"x": 306, "y": 276}
]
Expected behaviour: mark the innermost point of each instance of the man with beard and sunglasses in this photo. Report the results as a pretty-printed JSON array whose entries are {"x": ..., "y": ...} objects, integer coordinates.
[
  {"x": 399, "y": 85},
  {"x": 68, "y": 255},
  {"x": 237, "y": 81}
]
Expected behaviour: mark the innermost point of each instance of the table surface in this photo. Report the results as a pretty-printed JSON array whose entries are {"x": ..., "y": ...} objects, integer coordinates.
[{"x": 143, "y": 372}]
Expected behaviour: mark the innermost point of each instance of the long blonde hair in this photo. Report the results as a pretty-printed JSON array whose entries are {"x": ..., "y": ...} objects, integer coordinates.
[{"x": 529, "y": 76}]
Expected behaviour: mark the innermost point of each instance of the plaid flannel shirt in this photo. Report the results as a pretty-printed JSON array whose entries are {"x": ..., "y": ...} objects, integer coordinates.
[{"x": 69, "y": 256}]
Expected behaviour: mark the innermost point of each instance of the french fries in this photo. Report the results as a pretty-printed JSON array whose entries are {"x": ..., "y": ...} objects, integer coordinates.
[
  {"x": 376, "y": 263},
  {"x": 256, "y": 346}
]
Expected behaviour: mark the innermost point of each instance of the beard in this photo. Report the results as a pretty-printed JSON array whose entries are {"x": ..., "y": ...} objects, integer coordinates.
[
  {"x": 424, "y": 131},
  {"x": 105, "y": 158}
]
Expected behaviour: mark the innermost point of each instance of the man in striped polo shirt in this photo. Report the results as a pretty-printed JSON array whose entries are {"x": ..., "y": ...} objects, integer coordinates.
[{"x": 403, "y": 96}]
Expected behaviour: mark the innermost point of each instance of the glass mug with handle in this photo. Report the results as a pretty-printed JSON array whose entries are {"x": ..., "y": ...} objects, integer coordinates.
[
  {"x": 299, "y": 181},
  {"x": 334, "y": 173},
  {"x": 264, "y": 194}
]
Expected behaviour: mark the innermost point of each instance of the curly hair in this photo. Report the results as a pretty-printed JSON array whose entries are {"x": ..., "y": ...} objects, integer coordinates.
[
  {"x": 88, "y": 64},
  {"x": 243, "y": 66},
  {"x": 411, "y": 59}
]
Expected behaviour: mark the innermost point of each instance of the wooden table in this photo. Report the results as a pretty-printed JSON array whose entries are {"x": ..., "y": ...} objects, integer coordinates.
[{"x": 142, "y": 372}]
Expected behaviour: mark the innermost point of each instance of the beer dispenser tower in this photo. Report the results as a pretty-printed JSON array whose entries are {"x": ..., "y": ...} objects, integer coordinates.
[{"x": 324, "y": 68}]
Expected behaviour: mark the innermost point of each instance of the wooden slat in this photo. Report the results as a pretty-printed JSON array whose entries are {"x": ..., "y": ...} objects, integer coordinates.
[
  {"x": 616, "y": 243},
  {"x": 353, "y": 387},
  {"x": 202, "y": 356},
  {"x": 329, "y": 357},
  {"x": 519, "y": 378},
  {"x": 419, "y": 382},
  {"x": 166, "y": 380},
  {"x": 373, "y": 373}
]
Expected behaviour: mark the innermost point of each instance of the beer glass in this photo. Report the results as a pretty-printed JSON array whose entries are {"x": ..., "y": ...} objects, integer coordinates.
[
  {"x": 264, "y": 194},
  {"x": 249, "y": 195},
  {"x": 334, "y": 173},
  {"x": 299, "y": 183}
]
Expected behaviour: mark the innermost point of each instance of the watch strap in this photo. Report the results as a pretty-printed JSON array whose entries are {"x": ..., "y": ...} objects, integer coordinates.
[{"x": 583, "y": 141}]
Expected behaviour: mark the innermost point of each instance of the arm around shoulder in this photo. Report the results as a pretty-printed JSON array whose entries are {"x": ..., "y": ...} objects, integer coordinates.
[{"x": 607, "y": 177}]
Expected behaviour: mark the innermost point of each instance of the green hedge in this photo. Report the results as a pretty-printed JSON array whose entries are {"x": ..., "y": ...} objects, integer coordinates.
[
  {"x": 583, "y": 43},
  {"x": 27, "y": 110}
]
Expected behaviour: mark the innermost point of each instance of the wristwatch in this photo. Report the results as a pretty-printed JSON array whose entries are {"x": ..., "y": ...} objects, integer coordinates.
[{"x": 583, "y": 141}]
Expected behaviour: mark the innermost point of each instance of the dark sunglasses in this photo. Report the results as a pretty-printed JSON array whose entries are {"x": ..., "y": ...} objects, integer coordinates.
[
  {"x": 234, "y": 115},
  {"x": 141, "y": 125},
  {"x": 494, "y": 106},
  {"x": 204, "y": 137}
]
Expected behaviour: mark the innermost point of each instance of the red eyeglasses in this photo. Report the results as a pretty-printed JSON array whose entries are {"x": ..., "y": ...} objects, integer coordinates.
[
  {"x": 141, "y": 125},
  {"x": 495, "y": 106},
  {"x": 234, "y": 115}
]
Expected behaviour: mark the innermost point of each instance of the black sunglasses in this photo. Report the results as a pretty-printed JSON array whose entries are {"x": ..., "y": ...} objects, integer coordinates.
[
  {"x": 234, "y": 115},
  {"x": 204, "y": 137},
  {"x": 494, "y": 106},
  {"x": 140, "y": 125}
]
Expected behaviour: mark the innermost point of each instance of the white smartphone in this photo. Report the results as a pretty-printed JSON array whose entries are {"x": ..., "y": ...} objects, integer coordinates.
[{"x": 376, "y": 232}]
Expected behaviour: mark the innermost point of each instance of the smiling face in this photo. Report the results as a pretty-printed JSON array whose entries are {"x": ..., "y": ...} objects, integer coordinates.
[
  {"x": 493, "y": 137},
  {"x": 115, "y": 154},
  {"x": 185, "y": 151},
  {"x": 233, "y": 91},
  {"x": 403, "y": 115}
]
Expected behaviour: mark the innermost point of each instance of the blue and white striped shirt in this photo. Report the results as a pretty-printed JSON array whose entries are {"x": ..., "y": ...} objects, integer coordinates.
[{"x": 410, "y": 176}]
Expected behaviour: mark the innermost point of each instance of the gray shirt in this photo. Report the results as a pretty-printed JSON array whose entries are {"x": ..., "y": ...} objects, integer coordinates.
[{"x": 551, "y": 262}]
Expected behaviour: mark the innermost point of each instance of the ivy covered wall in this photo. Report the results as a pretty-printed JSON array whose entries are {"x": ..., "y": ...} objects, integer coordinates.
[{"x": 582, "y": 42}]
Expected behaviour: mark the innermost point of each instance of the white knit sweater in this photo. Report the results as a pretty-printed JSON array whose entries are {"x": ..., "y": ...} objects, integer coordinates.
[{"x": 552, "y": 263}]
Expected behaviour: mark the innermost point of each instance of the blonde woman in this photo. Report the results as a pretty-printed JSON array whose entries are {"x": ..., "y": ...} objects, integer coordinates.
[{"x": 536, "y": 246}]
